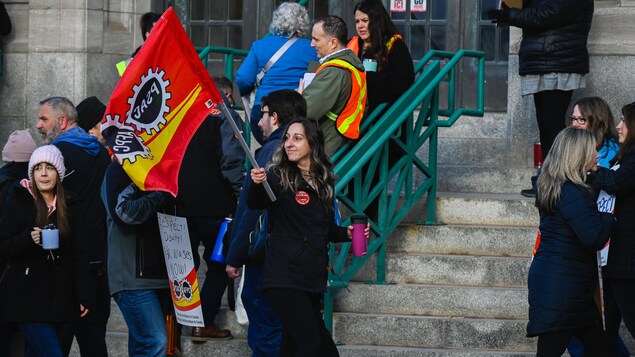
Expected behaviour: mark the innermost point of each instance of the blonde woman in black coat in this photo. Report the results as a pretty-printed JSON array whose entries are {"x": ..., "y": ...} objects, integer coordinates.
[{"x": 563, "y": 275}]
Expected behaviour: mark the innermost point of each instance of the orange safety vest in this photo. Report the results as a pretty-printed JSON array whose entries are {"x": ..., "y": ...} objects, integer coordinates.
[{"x": 347, "y": 122}]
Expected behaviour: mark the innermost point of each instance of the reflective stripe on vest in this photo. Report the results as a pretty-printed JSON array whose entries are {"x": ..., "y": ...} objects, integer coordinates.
[{"x": 347, "y": 122}]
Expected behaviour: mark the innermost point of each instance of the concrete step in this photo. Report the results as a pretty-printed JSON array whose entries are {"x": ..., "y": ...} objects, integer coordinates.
[
  {"x": 450, "y": 270},
  {"x": 486, "y": 209},
  {"x": 483, "y": 179},
  {"x": 432, "y": 332},
  {"x": 433, "y": 300},
  {"x": 381, "y": 351},
  {"x": 225, "y": 319},
  {"x": 463, "y": 239}
]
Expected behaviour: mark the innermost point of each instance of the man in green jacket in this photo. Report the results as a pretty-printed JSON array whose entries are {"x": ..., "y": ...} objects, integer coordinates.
[{"x": 336, "y": 96}]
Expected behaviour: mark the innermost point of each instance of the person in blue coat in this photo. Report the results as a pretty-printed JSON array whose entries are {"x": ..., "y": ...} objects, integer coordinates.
[
  {"x": 289, "y": 20},
  {"x": 563, "y": 274}
]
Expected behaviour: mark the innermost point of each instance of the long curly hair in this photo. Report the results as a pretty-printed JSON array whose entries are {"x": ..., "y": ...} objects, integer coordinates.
[
  {"x": 320, "y": 169},
  {"x": 290, "y": 19},
  {"x": 379, "y": 24}
]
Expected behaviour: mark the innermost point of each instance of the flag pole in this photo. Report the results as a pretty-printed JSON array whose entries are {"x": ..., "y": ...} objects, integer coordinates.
[
  {"x": 243, "y": 144},
  {"x": 601, "y": 286}
]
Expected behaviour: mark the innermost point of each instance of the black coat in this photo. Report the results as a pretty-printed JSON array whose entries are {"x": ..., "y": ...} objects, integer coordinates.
[
  {"x": 297, "y": 250},
  {"x": 563, "y": 274},
  {"x": 38, "y": 288},
  {"x": 555, "y": 35},
  {"x": 84, "y": 174},
  {"x": 621, "y": 183}
]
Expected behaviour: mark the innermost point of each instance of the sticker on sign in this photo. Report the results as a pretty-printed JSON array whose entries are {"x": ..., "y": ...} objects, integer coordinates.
[{"x": 415, "y": 5}]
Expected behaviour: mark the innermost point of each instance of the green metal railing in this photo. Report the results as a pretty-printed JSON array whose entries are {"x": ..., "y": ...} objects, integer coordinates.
[
  {"x": 230, "y": 55},
  {"x": 365, "y": 167}
]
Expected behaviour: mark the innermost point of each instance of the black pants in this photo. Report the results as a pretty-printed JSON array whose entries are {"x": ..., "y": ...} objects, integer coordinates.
[
  {"x": 90, "y": 331},
  {"x": 551, "y": 111},
  {"x": 553, "y": 344},
  {"x": 619, "y": 298},
  {"x": 204, "y": 230},
  {"x": 303, "y": 330}
]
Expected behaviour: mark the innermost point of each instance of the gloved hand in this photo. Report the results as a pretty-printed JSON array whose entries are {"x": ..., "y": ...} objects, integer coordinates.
[{"x": 499, "y": 17}]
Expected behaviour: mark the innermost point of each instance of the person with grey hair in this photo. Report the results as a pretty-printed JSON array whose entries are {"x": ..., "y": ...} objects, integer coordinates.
[
  {"x": 287, "y": 52},
  {"x": 86, "y": 161}
]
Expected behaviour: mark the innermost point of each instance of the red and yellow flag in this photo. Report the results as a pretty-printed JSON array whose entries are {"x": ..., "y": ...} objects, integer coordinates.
[{"x": 158, "y": 104}]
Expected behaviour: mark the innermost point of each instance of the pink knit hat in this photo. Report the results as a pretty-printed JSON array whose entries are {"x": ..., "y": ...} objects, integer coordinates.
[
  {"x": 19, "y": 147},
  {"x": 49, "y": 154}
]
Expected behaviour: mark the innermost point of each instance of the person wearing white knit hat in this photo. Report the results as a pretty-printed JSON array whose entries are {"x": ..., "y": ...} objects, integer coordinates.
[
  {"x": 50, "y": 281},
  {"x": 86, "y": 161}
]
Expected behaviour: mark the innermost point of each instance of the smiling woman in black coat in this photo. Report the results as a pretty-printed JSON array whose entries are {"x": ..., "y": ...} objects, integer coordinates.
[
  {"x": 302, "y": 223},
  {"x": 563, "y": 274}
]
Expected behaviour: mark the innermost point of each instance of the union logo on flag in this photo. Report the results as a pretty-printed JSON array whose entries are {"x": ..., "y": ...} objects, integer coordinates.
[{"x": 158, "y": 104}]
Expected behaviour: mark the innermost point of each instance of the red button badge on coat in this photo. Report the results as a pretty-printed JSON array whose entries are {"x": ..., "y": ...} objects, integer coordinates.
[{"x": 302, "y": 198}]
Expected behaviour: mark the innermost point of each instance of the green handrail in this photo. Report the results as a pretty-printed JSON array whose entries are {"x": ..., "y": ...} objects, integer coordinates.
[
  {"x": 365, "y": 167},
  {"x": 230, "y": 54}
]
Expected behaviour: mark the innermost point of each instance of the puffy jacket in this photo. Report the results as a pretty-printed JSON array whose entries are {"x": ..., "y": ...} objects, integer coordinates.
[
  {"x": 563, "y": 274},
  {"x": 555, "y": 35}
]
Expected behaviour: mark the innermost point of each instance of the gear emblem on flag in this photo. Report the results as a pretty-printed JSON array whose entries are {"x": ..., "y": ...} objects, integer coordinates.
[{"x": 148, "y": 104}]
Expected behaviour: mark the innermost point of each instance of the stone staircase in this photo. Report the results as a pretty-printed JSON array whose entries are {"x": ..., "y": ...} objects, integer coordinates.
[{"x": 456, "y": 289}]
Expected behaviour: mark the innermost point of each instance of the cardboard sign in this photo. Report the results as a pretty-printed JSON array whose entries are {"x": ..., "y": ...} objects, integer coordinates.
[
  {"x": 606, "y": 203},
  {"x": 180, "y": 264}
]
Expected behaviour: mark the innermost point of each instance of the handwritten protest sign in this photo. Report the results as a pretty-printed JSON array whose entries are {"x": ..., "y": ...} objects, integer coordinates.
[{"x": 180, "y": 264}]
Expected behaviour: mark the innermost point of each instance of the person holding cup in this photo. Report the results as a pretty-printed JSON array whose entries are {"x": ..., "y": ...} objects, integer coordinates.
[
  {"x": 384, "y": 54},
  {"x": 45, "y": 281},
  {"x": 302, "y": 223}
]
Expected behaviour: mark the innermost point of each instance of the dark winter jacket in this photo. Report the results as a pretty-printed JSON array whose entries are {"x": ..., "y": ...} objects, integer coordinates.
[
  {"x": 135, "y": 252},
  {"x": 563, "y": 274},
  {"x": 41, "y": 285},
  {"x": 10, "y": 173},
  {"x": 212, "y": 171},
  {"x": 246, "y": 218},
  {"x": 621, "y": 183},
  {"x": 86, "y": 161},
  {"x": 301, "y": 228},
  {"x": 555, "y": 35}
]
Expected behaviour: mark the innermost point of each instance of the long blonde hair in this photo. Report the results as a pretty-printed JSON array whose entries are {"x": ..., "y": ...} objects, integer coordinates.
[{"x": 571, "y": 156}]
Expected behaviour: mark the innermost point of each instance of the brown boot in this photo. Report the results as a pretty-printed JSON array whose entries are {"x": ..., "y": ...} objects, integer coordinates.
[{"x": 204, "y": 334}]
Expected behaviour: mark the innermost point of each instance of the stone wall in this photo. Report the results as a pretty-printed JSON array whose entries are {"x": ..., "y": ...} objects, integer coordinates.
[{"x": 63, "y": 48}]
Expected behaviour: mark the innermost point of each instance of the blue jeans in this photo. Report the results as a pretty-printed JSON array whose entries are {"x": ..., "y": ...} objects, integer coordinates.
[
  {"x": 204, "y": 230},
  {"x": 41, "y": 338},
  {"x": 265, "y": 329},
  {"x": 146, "y": 326}
]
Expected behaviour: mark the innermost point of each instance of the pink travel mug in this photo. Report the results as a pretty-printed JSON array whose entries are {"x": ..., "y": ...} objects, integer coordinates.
[{"x": 359, "y": 223}]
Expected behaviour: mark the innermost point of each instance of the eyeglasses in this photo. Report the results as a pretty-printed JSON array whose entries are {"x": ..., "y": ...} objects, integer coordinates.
[
  {"x": 263, "y": 112},
  {"x": 579, "y": 120}
]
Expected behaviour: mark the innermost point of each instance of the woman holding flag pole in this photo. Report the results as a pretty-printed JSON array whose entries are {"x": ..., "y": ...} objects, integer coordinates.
[{"x": 563, "y": 274}]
